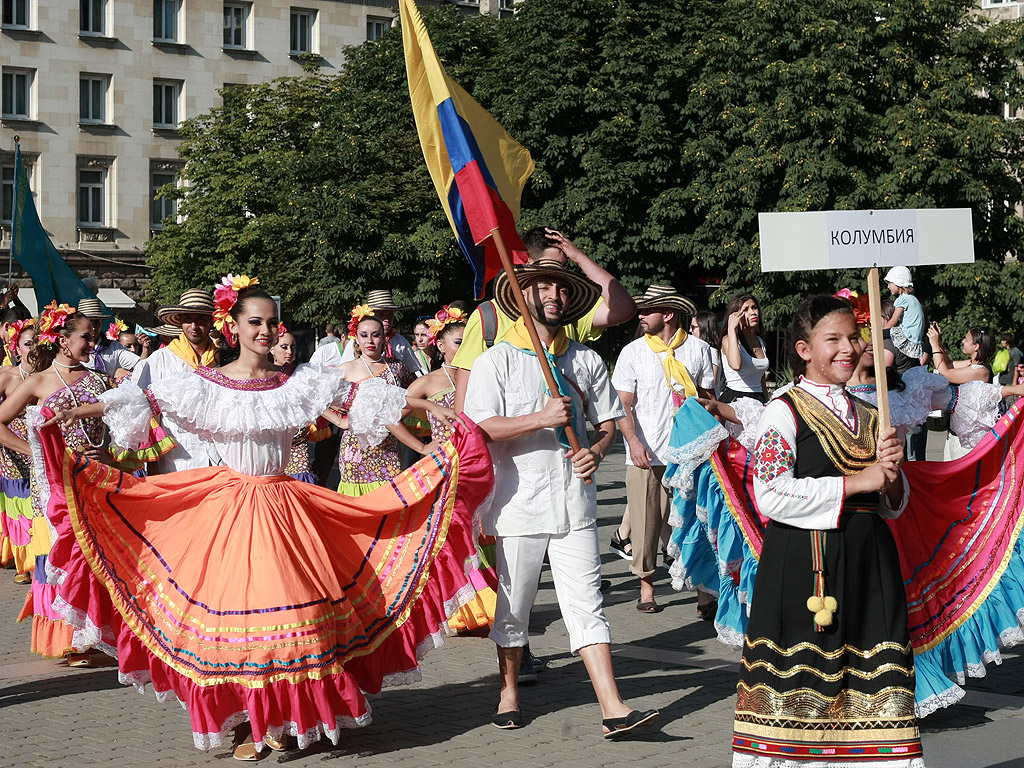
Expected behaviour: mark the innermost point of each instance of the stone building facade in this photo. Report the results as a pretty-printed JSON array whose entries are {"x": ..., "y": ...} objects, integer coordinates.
[{"x": 96, "y": 89}]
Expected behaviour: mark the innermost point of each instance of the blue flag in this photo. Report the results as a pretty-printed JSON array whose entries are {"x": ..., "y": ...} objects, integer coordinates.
[{"x": 51, "y": 277}]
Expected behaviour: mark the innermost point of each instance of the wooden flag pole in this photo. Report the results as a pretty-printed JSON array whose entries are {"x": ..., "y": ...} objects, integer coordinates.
[
  {"x": 531, "y": 328},
  {"x": 878, "y": 346}
]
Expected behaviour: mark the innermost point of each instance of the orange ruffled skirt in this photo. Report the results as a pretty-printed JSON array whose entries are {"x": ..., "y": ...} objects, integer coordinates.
[{"x": 264, "y": 598}]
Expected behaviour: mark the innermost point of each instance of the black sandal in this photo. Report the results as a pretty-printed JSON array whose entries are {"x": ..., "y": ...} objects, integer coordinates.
[
  {"x": 619, "y": 727},
  {"x": 619, "y": 544},
  {"x": 507, "y": 720}
]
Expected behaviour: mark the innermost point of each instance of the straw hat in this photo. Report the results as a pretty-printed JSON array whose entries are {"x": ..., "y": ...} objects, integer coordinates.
[
  {"x": 665, "y": 297},
  {"x": 194, "y": 301},
  {"x": 166, "y": 330},
  {"x": 93, "y": 309},
  {"x": 583, "y": 294},
  {"x": 382, "y": 300}
]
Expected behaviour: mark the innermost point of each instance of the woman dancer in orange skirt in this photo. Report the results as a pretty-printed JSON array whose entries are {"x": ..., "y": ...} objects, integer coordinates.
[{"x": 239, "y": 591}]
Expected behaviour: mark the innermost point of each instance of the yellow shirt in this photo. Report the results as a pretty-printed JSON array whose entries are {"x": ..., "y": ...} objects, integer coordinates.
[{"x": 474, "y": 345}]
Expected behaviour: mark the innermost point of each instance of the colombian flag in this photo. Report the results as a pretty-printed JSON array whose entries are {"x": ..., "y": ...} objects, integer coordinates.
[{"x": 478, "y": 169}]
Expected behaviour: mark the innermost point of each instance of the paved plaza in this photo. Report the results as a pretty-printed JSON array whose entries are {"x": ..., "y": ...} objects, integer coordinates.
[{"x": 52, "y": 716}]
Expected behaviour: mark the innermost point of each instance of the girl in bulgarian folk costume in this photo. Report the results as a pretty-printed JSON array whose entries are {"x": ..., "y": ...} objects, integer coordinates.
[
  {"x": 316, "y": 599},
  {"x": 15, "y": 491},
  {"x": 963, "y": 513},
  {"x": 365, "y": 468},
  {"x": 827, "y": 673}
]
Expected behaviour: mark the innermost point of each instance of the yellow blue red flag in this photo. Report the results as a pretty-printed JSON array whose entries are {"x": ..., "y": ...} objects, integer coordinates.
[{"x": 478, "y": 169}]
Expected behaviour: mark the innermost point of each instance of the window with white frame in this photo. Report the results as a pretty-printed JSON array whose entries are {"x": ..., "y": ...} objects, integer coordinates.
[
  {"x": 162, "y": 208},
  {"x": 166, "y": 94},
  {"x": 236, "y": 25},
  {"x": 16, "y": 13},
  {"x": 92, "y": 17},
  {"x": 17, "y": 94},
  {"x": 376, "y": 27},
  {"x": 165, "y": 20},
  {"x": 92, "y": 196},
  {"x": 7, "y": 192},
  {"x": 92, "y": 91},
  {"x": 303, "y": 25}
]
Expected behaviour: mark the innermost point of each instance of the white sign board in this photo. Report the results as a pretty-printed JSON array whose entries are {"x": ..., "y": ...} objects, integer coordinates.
[{"x": 794, "y": 242}]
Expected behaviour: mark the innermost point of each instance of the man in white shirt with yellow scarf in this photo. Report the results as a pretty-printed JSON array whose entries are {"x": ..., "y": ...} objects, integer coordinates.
[
  {"x": 541, "y": 503},
  {"x": 194, "y": 315},
  {"x": 653, "y": 375}
]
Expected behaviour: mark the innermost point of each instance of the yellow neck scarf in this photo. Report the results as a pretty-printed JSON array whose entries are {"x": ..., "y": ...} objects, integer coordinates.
[
  {"x": 517, "y": 336},
  {"x": 184, "y": 350},
  {"x": 674, "y": 370}
]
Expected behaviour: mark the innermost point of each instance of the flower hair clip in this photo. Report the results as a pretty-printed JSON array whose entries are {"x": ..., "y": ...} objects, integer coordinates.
[
  {"x": 861, "y": 310},
  {"x": 16, "y": 328},
  {"x": 224, "y": 297},
  {"x": 359, "y": 311},
  {"x": 115, "y": 329},
  {"x": 281, "y": 330},
  {"x": 446, "y": 316},
  {"x": 54, "y": 317}
]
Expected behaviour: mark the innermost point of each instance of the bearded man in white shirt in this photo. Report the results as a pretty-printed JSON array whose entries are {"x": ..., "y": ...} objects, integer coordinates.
[
  {"x": 193, "y": 347},
  {"x": 541, "y": 503},
  {"x": 653, "y": 375}
]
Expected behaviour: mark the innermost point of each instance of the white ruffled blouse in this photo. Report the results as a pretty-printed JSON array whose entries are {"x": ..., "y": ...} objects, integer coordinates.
[{"x": 252, "y": 422}]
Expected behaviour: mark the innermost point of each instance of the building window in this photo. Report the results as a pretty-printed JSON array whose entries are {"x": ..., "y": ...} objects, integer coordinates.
[
  {"x": 162, "y": 207},
  {"x": 93, "y": 17},
  {"x": 16, "y": 13},
  {"x": 165, "y": 103},
  {"x": 92, "y": 91},
  {"x": 92, "y": 197},
  {"x": 7, "y": 194},
  {"x": 376, "y": 27},
  {"x": 165, "y": 20},
  {"x": 236, "y": 22},
  {"x": 301, "y": 39},
  {"x": 17, "y": 94}
]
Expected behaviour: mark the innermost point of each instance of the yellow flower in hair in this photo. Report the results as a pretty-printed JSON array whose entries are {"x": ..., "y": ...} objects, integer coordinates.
[{"x": 238, "y": 282}]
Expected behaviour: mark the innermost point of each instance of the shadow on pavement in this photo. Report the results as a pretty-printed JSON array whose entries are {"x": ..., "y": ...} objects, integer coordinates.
[{"x": 39, "y": 690}]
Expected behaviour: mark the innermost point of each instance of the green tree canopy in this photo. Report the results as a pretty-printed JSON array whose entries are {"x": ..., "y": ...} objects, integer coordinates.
[{"x": 660, "y": 129}]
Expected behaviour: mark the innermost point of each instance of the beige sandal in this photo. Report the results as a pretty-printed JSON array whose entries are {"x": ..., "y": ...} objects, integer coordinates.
[
  {"x": 275, "y": 744},
  {"x": 244, "y": 747}
]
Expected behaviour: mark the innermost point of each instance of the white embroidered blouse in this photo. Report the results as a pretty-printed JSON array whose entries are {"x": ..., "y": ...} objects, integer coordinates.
[
  {"x": 814, "y": 503},
  {"x": 252, "y": 422}
]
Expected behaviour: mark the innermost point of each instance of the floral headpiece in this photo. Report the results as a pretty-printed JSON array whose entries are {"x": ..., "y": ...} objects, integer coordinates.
[
  {"x": 16, "y": 328},
  {"x": 281, "y": 330},
  {"x": 54, "y": 317},
  {"x": 861, "y": 310},
  {"x": 359, "y": 312},
  {"x": 446, "y": 316},
  {"x": 115, "y": 329},
  {"x": 224, "y": 297}
]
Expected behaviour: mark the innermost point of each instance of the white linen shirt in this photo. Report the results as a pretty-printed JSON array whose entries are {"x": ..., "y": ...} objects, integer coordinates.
[
  {"x": 191, "y": 452},
  {"x": 814, "y": 503},
  {"x": 113, "y": 355},
  {"x": 331, "y": 354},
  {"x": 641, "y": 371},
  {"x": 535, "y": 490}
]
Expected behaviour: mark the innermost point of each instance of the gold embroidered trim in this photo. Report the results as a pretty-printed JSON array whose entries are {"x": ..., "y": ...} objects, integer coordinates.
[
  {"x": 807, "y": 708},
  {"x": 849, "y": 451},
  {"x": 831, "y": 678},
  {"x": 885, "y": 646}
]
